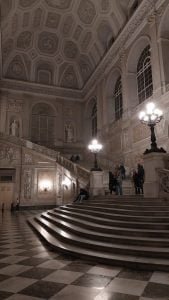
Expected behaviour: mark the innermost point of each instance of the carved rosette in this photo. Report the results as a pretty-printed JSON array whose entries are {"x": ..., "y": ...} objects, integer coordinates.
[
  {"x": 48, "y": 43},
  {"x": 86, "y": 11}
]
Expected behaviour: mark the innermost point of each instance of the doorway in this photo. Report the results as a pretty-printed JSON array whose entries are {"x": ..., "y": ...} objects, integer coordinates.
[{"x": 7, "y": 179}]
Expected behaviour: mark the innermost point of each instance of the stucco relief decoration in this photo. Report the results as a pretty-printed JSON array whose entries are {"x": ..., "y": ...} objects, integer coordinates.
[
  {"x": 28, "y": 158},
  {"x": 59, "y": 59},
  {"x": 164, "y": 182},
  {"x": 61, "y": 4},
  {"x": 68, "y": 112},
  {"x": 140, "y": 132},
  {"x": 161, "y": 127},
  {"x": 59, "y": 185},
  {"x": 105, "y": 5},
  {"x": 24, "y": 40},
  {"x": 67, "y": 25},
  {"x": 7, "y": 49},
  {"x": 7, "y": 153},
  {"x": 70, "y": 50},
  {"x": 77, "y": 32},
  {"x": 44, "y": 73},
  {"x": 6, "y": 8},
  {"x": 69, "y": 79},
  {"x": 126, "y": 140},
  {"x": 14, "y": 24},
  {"x": 27, "y": 3},
  {"x": 16, "y": 69},
  {"x": 69, "y": 133},
  {"x": 105, "y": 34},
  {"x": 15, "y": 106},
  {"x": 86, "y": 11},
  {"x": 48, "y": 43},
  {"x": 86, "y": 41},
  {"x": 26, "y": 19},
  {"x": 27, "y": 184},
  {"x": 37, "y": 17},
  {"x": 33, "y": 54},
  {"x": 53, "y": 20},
  {"x": 85, "y": 69}
]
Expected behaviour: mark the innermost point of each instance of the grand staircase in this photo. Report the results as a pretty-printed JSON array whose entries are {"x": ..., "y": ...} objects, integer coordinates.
[{"x": 126, "y": 231}]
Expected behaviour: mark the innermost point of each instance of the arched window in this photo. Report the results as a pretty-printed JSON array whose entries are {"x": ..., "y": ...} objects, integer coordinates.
[
  {"x": 43, "y": 124},
  {"x": 118, "y": 99},
  {"x": 144, "y": 75},
  {"x": 94, "y": 120}
]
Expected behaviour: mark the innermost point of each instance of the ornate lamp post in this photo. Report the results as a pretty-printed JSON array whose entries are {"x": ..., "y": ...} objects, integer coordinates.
[
  {"x": 151, "y": 117},
  {"x": 95, "y": 148}
]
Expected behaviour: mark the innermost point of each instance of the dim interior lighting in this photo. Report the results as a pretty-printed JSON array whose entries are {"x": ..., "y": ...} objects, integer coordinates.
[{"x": 45, "y": 185}]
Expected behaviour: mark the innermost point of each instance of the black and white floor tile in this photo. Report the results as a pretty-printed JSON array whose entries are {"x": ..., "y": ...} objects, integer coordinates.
[{"x": 31, "y": 271}]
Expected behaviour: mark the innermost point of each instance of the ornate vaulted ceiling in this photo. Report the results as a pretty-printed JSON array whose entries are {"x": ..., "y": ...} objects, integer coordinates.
[{"x": 58, "y": 42}]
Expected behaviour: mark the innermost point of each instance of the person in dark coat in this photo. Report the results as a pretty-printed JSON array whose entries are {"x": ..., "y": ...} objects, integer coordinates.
[
  {"x": 136, "y": 182},
  {"x": 112, "y": 182},
  {"x": 123, "y": 171},
  {"x": 83, "y": 195},
  {"x": 3, "y": 207},
  {"x": 141, "y": 177}
]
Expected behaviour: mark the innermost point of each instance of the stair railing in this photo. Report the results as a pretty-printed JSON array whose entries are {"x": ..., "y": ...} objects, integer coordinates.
[
  {"x": 163, "y": 175},
  {"x": 79, "y": 172}
]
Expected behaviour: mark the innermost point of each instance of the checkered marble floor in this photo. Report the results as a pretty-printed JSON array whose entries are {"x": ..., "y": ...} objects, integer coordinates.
[{"x": 31, "y": 271}]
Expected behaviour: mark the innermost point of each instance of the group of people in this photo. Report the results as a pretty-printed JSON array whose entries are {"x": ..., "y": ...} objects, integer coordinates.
[
  {"x": 13, "y": 206},
  {"x": 75, "y": 158},
  {"x": 116, "y": 178},
  {"x": 138, "y": 179}
]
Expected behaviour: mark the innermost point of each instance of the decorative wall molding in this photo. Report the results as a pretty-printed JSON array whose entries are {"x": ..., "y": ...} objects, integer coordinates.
[{"x": 68, "y": 94}]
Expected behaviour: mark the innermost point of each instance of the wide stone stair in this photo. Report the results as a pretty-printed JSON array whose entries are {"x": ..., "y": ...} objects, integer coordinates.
[{"x": 127, "y": 231}]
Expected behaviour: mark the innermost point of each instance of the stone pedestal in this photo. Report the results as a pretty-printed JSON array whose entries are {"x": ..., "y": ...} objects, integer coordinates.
[
  {"x": 152, "y": 162},
  {"x": 96, "y": 183}
]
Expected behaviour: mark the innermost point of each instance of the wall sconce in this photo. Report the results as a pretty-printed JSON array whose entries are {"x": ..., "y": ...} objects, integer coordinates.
[
  {"x": 45, "y": 186},
  {"x": 66, "y": 182}
]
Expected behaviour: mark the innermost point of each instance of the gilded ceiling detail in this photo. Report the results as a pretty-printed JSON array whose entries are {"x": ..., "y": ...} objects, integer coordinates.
[{"x": 58, "y": 42}]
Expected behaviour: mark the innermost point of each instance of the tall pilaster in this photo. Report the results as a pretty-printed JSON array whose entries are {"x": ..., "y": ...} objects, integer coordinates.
[{"x": 155, "y": 55}]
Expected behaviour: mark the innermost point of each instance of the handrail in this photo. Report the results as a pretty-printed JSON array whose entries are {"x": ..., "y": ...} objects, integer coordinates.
[{"x": 77, "y": 170}]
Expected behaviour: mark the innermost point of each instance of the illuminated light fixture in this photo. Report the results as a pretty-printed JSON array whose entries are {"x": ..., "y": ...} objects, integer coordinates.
[
  {"x": 151, "y": 117},
  {"x": 95, "y": 148},
  {"x": 45, "y": 185},
  {"x": 66, "y": 182}
]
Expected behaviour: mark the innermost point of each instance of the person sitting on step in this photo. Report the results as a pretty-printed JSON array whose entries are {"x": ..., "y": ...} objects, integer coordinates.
[{"x": 83, "y": 195}]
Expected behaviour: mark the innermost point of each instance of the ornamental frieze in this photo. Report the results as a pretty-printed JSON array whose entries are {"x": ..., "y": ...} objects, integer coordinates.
[{"x": 15, "y": 106}]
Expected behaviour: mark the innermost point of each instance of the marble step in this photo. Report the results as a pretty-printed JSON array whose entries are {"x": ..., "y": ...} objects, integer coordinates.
[
  {"x": 126, "y": 206},
  {"x": 122, "y": 210},
  {"x": 118, "y": 222},
  {"x": 130, "y": 261},
  {"x": 95, "y": 234},
  {"x": 139, "y": 203},
  {"x": 97, "y": 246},
  {"x": 152, "y": 233}
]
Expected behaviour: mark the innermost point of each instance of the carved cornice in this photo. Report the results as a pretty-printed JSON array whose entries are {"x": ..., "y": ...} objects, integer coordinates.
[{"x": 41, "y": 89}]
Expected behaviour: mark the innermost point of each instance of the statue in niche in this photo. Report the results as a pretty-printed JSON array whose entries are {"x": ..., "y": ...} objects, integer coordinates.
[
  {"x": 69, "y": 133},
  {"x": 14, "y": 128}
]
